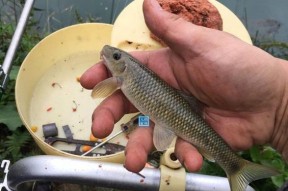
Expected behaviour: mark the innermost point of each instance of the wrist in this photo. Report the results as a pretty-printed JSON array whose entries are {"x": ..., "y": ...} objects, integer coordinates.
[{"x": 280, "y": 135}]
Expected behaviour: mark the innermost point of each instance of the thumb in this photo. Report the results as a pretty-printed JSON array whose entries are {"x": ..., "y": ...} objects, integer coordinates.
[{"x": 170, "y": 28}]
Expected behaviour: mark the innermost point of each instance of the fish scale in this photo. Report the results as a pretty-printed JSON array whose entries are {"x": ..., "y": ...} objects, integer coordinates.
[
  {"x": 173, "y": 116},
  {"x": 151, "y": 87}
]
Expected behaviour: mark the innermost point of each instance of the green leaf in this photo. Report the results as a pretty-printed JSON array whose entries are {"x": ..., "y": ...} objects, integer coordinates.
[
  {"x": 278, "y": 164},
  {"x": 14, "y": 72},
  {"x": 9, "y": 116},
  {"x": 278, "y": 180},
  {"x": 211, "y": 168},
  {"x": 268, "y": 154},
  {"x": 255, "y": 153}
]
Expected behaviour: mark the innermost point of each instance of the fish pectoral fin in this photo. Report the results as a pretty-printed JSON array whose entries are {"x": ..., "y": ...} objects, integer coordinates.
[
  {"x": 206, "y": 154},
  {"x": 106, "y": 87},
  {"x": 162, "y": 137}
]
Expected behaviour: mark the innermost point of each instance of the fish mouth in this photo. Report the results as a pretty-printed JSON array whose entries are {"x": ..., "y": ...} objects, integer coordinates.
[
  {"x": 102, "y": 57},
  {"x": 104, "y": 61}
]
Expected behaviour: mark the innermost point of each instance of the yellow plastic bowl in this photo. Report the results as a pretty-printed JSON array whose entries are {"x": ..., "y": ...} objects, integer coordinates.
[{"x": 47, "y": 90}]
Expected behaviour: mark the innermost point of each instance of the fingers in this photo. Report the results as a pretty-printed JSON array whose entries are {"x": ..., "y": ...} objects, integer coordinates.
[
  {"x": 159, "y": 21},
  {"x": 158, "y": 61},
  {"x": 183, "y": 37},
  {"x": 112, "y": 110},
  {"x": 141, "y": 143},
  {"x": 138, "y": 147},
  {"x": 167, "y": 26},
  {"x": 109, "y": 112},
  {"x": 94, "y": 75},
  {"x": 188, "y": 155}
]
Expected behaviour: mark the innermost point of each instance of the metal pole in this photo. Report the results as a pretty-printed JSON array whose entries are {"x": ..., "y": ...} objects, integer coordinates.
[
  {"x": 79, "y": 171},
  {"x": 102, "y": 174},
  {"x": 7, "y": 64}
]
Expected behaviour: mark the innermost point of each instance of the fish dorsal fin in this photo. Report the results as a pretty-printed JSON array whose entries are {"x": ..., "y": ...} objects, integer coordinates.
[
  {"x": 106, "y": 87},
  {"x": 162, "y": 137},
  {"x": 206, "y": 154}
]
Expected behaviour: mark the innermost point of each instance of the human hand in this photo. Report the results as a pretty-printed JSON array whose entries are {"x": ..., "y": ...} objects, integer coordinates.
[{"x": 241, "y": 86}]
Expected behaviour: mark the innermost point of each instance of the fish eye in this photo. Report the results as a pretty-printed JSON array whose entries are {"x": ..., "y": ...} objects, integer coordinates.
[{"x": 117, "y": 55}]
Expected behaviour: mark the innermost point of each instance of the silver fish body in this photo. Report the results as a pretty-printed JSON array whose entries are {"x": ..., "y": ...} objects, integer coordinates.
[{"x": 173, "y": 116}]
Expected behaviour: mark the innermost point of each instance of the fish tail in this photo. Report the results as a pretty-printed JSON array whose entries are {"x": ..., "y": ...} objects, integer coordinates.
[{"x": 247, "y": 173}]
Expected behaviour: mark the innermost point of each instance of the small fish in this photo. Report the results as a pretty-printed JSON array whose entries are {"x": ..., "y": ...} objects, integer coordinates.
[{"x": 173, "y": 116}]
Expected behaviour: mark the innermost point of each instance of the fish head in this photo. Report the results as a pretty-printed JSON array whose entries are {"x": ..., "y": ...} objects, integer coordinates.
[{"x": 114, "y": 59}]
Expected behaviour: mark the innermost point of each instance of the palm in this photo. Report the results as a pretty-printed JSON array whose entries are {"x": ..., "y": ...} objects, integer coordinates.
[{"x": 232, "y": 106}]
